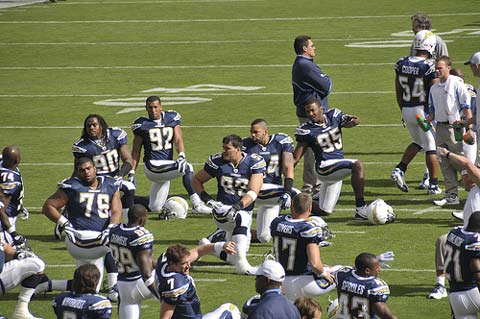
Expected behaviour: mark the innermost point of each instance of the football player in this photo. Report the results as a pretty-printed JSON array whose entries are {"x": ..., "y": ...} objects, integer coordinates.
[
  {"x": 11, "y": 194},
  {"x": 82, "y": 301},
  {"x": 414, "y": 76},
  {"x": 20, "y": 266},
  {"x": 239, "y": 179},
  {"x": 106, "y": 146},
  {"x": 323, "y": 134},
  {"x": 132, "y": 246},
  {"x": 92, "y": 206},
  {"x": 277, "y": 151},
  {"x": 157, "y": 134},
  {"x": 176, "y": 287},
  {"x": 360, "y": 293},
  {"x": 296, "y": 244},
  {"x": 462, "y": 266}
]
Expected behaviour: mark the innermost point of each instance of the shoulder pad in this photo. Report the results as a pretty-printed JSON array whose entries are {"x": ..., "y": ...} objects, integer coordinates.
[
  {"x": 381, "y": 288},
  {"x": 78, "y": 149},
  {"x": 175, "y": 115},
  {"x": 284, "y": 138},
  {"x": 120, "y": 133},
  {"x": 102, "y": 304},
  {"x": 301, "y": 130},
  {"x": 142, "y": 240},
  {"x": 65, "y": 183},
  {"x": 177, "y": 291},
  {"x": 473, "y": 246},
  {"x": 311, "y": 232},
  {"x": 211, "y": 160}
]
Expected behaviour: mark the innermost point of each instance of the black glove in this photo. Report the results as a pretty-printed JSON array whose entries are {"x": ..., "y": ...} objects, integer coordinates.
[{"x": 18, "y": 240}]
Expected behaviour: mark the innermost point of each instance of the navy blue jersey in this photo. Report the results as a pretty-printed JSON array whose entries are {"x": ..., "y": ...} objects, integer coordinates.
[
  {"x": 157, "y": 135},
  {"x": 274, "y": 305},
  {"x": 179, "y": 290},
  {"x": 11, "y": 184},
  {"x": 309, "y": 82},
  {"x": 325, "y": 139},
  {"x": 105, "y": 156},
  {"x": 85, "y": 306},
  {"x": 233, "y": 181},
  {"x": 414, "y": 75},
  {"x": 89, "y": 209},
  {"x": 290, "y": 240},
  {"x": 125, "y": 244},
  {"x": 272, "y": 154},
  {"x": 356, "y": 294},
  {"x": 461, "y": 247}
]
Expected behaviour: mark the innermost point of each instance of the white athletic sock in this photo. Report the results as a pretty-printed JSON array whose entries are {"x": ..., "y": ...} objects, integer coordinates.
[
  {"x": 59, "y": 285},
  {"x": 195, "y": 199},
  {"x": 440, "y": 280},
  {"x": 112, "y": 279}
]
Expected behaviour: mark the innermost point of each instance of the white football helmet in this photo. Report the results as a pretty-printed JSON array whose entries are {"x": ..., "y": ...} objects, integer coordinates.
[
  {"x": 425, "y": 40},
  {"x": 333, "y": 308},
  {"x": 175, "y": 207},
  {"x": 325, "y": 233},
  {"x": 379, "y": 213}
]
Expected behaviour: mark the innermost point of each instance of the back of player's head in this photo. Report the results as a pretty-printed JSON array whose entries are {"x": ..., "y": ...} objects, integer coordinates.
[
  {"x": 100, "y": 120},
  {"x": 151, "y": 99},
  {"x": 85, "y": 279},
  {"x": 301, "y": 203},
  {"x": 136, "y": 213},
  {"x": 458, "y": 72},
  {"x": 233, "y": 139},
  {"x": 421, "y": 21},
  {"x": 11, "y": 156},
  {"x": 474, "y": 222},
  {"x": 80, "y": 161},
  {"x": 365, "y": 261},
  {"x": 259, "y": 121},
  {"x": 312, "y": 101},
  {"x": 445, "y": 59},
  {"x": 176, "y": 253},
  {"x": 300, "y": 42},
  {"x": 309, "y": 308}
]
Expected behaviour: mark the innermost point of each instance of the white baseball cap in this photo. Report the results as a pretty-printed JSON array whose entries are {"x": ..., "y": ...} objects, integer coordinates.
[
  {"x": 474, "y": 59},
  {"x": 272, "y": 270}
]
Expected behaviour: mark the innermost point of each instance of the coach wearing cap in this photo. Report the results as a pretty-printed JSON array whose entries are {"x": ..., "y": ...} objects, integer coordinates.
[{"x": 272, "y": 303}]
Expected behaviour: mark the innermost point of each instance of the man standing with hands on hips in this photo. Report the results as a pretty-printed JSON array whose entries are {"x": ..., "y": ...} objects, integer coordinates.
[{"x": 309, "y": 82}]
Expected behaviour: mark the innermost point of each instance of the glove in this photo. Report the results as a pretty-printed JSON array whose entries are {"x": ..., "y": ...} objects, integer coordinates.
[
  {"x": 57, "y": 232},
  {"x": 18, "y": 240},
  {"x": 214, "y": 204},
  {"x": 118, "y": 178},
  {"x": 182, "y": 163},
  {"x": 285, "y": 201},
  {"x": 22, "y": 254},
  {"x": 131, "y": 177},
  {"x": 386, "y": 256},
  {"x": 24, "y": 213},
  {"x": 105, "y": 235},
  {"x": 70, "y": 232},
  {"x": 225, "y": 213}
]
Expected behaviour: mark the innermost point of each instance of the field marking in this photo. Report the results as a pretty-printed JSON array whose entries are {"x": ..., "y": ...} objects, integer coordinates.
[
  {"x": 202, "y": 94},
  {"x": 175, "y": 42},
  {"x": 174, "y": 67},
  {"x": 398, "y": 16},
  {"x": 427, "y": 210},
  {"x": 153, "y": 2}
]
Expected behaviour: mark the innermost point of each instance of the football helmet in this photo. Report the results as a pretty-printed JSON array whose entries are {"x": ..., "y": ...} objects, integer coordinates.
[
  {"x": 379, "y": 213},
  {"x": 175, "y": 208},
  {"x": 325, "y": 233},
  {"x": 425, "y": 40}
]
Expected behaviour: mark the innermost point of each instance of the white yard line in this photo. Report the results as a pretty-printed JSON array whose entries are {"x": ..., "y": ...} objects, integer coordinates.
[
  {"x": 427, "y": 210},
  {"x": 228, "y": 19}
]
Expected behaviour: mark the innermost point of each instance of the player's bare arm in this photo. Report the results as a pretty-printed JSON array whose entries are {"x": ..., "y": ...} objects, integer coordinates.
[
  {"x": 136, "y": 150},
  {"x": 382, "y": 310},
  {"x": 313, "y": 253},
  {"x": 300, "y": 149},
  {"x": 51, "y": 207}
]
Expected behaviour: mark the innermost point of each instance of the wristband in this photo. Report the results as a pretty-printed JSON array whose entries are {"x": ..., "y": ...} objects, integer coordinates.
[
  {"x": 447, "y": 155},
  {"x": 131, "y": 172},
  {"x": 149, "y": 281},
  {"x": 181, "y": 154},
  {"x": 62, "y": 220},
  {"x": 288, "y": 185},
  {"x": 11, "y": 229},
  {"x": 218, "y": 247},
  {"x": 252, "y": 194}
]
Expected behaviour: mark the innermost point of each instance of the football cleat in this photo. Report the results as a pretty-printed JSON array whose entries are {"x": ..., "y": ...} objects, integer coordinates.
[
  {"x": 458, "y": 214},
  {"x": 449, "y": 199},
  {"x": 113, "y": 294},
  {"x": 201, "y": 208},
  {"x": 398, "y": 177},
  {"x": 361, "y": 213},
  {"x": 425, "y": 182},
  {"x": 434, "y": 190},
  {"x": 438, "y": 292}
]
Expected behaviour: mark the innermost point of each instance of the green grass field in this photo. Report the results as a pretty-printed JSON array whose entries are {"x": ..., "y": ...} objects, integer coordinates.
[{"x": 60, "y": 62}]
